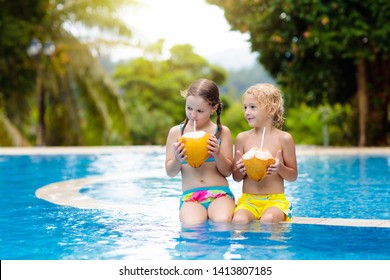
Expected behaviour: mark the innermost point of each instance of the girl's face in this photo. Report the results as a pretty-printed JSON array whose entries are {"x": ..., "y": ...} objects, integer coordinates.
[
  {"x": 198, "y": 109},
  {"x": 255, "y": 115}
]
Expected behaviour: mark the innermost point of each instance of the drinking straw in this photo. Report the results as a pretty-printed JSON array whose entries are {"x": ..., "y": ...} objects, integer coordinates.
[
  {"x": 194, "y": 125},
  {"x": 262, "y": 139}
]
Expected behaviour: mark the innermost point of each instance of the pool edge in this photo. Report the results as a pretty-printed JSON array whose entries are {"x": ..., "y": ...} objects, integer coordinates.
[
  {"x": 342, "y": 222},
  {"x": 300, "y": 150},
  {"x": 67, "y": 193}
]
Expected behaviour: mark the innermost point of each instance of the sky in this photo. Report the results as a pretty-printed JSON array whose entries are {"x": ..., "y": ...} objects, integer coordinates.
[{"x": 193, "y": 22}]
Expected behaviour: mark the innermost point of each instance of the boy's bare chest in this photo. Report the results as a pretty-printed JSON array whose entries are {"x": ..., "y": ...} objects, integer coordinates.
[{"x": 270, "y": 143}]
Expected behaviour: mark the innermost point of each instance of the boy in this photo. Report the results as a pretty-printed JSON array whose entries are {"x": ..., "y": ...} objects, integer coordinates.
[{"x": 264, "y": 200}]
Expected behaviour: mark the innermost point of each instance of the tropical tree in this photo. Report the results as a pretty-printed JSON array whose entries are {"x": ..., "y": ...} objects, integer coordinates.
[
  {"x": 151, "y": 87},
  {"x": 324, "y": 52},
  {"x": 17, "y": 21},
  {"x": 83, "y": 105}
]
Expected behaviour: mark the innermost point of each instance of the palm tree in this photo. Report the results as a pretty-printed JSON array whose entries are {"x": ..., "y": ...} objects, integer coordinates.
[{"x": 83, "y": 105}]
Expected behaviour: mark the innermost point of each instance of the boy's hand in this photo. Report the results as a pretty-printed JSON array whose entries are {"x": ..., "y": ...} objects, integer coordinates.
[
  {"x": 240, "y": 165},
  {"x": 273, "y": 168}
]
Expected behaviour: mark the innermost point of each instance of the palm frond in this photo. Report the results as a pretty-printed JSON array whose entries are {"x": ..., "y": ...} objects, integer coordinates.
[{"x": 11, "y": 132}]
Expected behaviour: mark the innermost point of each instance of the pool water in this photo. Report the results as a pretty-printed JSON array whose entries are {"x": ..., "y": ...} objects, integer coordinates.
[
  {"x": 342, "y": 187},
  {"x": 328, "y": 186}
]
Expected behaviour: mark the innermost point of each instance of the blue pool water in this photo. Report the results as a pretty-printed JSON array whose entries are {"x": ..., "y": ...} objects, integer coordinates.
[{"x": 328, "y": 186}]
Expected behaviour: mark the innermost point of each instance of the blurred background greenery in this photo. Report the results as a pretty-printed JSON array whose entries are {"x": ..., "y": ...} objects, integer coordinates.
[{"x": 330, "y": 58}]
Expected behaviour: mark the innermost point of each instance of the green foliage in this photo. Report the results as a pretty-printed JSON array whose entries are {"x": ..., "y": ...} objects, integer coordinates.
[
  {"x": 83, "y": 105},
  {"x": 151, "y": 89},
  {"x": 17, "y": 23},
  {"x": 4, "y": 136},
  {"x": 233, "y": 117},
  {"x": 312, "y": 48},
  {"x": 307, "y": 125},
  {"x": 309, "y": 47}
]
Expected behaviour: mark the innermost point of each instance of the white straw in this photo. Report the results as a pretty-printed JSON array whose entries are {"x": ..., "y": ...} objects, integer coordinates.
[
  {"x": 194, "y": 125},
  {"x": 262, "y": 139}
]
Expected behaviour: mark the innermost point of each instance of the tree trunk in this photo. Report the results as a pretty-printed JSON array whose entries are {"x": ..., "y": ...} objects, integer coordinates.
[
  {"x": 362, "y": 100},
  {"x": 41, "y": 139}
]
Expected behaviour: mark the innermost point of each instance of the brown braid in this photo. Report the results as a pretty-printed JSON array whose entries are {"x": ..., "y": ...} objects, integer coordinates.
[
  {"x": 219, "y": 125},
  {"x": 184, "y": 125}
]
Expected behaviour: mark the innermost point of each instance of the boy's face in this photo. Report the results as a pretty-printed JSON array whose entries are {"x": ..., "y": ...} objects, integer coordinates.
[{"x": 255, "y": 115}]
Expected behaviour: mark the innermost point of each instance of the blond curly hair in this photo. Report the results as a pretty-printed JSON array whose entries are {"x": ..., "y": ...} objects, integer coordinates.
[{"x": 270, "y": 97}]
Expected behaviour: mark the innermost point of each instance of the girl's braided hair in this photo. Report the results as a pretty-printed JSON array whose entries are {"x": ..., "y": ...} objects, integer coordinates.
[{"x": 209, "y": 91}]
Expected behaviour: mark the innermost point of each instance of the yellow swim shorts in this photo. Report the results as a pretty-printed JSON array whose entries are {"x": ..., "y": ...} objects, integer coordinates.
[{"x": 257, "y": 204}]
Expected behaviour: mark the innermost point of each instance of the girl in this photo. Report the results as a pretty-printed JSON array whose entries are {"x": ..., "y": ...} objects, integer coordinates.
[{"x": 206, "y": 192}]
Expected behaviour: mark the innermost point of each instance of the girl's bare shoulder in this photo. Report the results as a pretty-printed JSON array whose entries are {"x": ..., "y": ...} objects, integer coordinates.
[
  {"x": 225, "y": 127},
  {"x": 175, "y": 131},
  {"x": 175, "y": 128}
]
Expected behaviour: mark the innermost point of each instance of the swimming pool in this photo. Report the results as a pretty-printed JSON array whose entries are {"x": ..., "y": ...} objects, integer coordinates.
[{"x": 129, "y": 210}]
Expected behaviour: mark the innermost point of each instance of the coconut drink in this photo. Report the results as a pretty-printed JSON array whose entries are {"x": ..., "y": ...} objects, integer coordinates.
[
  {"x": 196, "y": 147},
  {"x": 256, "y": 162}
]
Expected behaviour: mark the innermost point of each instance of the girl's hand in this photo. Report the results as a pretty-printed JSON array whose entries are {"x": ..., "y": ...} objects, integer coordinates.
[
  {"x": 180, "y": 151},
  {"x": 273, "y": 168},
  {"x": 213, "y": 145},
  {"x": 240, "y": 165}
]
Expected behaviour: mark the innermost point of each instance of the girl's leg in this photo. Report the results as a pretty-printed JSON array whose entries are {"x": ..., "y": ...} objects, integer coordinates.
[
  {"x": 192, "y": 213},
  {"x": 243, "y": 216},
  {"x": 273, "y": 215},
  {"x": 221, "y": 209}
]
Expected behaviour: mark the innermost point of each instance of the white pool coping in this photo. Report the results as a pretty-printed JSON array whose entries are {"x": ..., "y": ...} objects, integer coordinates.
[
  {"x": 67, "y": 193},
  {"x": 342, "y": 222}
]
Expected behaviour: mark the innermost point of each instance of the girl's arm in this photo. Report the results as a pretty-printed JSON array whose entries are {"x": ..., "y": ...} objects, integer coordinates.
[
  {"x": 223, "y": 153},
  {"x": 174, "y": 154}
]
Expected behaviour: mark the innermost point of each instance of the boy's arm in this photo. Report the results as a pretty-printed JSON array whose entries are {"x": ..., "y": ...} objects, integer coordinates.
[
  {"x": 288, "y": 169},
  {"x": 237, "y": 161}
]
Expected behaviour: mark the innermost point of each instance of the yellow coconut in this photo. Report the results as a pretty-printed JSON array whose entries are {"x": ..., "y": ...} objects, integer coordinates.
[
  {"x": 256, "y": 162},
  {"x": 196, "y": 147}
]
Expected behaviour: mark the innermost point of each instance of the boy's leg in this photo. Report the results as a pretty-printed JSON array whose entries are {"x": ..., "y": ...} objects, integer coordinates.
[
  {"x": 273, "y": 215},
  {"x": 242, "y": 216}
]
